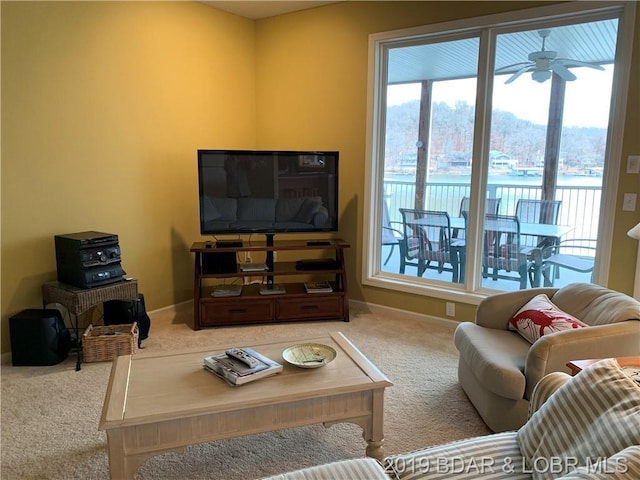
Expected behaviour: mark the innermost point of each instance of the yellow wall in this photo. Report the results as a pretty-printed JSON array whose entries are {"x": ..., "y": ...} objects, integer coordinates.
[{"x": 104, "y": 105}]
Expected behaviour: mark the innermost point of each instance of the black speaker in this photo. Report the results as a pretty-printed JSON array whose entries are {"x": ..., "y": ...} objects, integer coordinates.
[
  {"x": 128, "y": 311},
  {"x": 38, "y": 338}
]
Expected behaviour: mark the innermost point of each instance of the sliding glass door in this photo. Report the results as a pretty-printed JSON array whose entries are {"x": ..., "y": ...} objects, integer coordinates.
[{"x": 494, "y": 126}]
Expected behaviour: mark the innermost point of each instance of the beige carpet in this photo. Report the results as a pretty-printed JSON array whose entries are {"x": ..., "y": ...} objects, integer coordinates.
[{"x": 50, "y": 414}]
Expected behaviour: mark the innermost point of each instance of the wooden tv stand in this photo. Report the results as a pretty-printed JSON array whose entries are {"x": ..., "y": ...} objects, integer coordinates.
[{"x": 295, "y": 304}]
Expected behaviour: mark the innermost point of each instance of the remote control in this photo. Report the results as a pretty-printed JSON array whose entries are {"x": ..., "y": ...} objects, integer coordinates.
[{"x": 243, "y": 356}]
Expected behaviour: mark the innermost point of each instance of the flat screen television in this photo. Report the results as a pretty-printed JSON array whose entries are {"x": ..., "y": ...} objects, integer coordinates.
[{"x": 267, "y": 191}]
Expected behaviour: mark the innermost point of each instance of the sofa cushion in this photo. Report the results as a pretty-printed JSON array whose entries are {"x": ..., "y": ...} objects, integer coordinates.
[
  {"x": 539, "y": 316},
  {"x": 256, "y": 209},
  {"x": 309, "y": 208},
  {"x": 210, "y": 211},
  {"x": 221, "y": 209},
  {"x": 492, "y": 456},
  {"x": 496, "y": 357},
  {"x": 356, "y": 469},
  {"x": 593, "y": 416},
  {"x": 624, "y": 465},
  {"x": 286, "y": 208},
  {"x": 298, "y": 209},
  {"x": 596, "y": 305}
]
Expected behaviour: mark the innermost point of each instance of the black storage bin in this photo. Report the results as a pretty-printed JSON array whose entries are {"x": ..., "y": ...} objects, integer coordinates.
[
  {"x": 38, "y": 338},
  {"x": 117, "y": 312}
]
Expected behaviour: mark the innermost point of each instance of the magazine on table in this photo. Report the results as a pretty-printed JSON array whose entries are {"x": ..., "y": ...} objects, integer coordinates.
[
  {"x": 237, "y": 372},
  {"x": 230, "y": 290},
  {"x": 318, "y": 287},
  {"x": 273, "y": 289}
]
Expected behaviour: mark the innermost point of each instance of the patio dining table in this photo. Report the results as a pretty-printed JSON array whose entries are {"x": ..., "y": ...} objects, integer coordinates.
[{"x": 458, "y": 246}]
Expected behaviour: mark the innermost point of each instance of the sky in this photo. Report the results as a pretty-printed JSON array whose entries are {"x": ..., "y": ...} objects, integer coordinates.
[{"x": 587, "y": 98}]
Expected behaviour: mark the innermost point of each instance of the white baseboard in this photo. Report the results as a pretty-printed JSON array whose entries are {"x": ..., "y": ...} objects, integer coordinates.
[
  {"x": 171, "y": 308},
  {"x": 396, "y": 312}
]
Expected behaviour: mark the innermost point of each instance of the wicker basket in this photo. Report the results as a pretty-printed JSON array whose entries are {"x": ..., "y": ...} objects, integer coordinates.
[{"x": 104, "y": 343}]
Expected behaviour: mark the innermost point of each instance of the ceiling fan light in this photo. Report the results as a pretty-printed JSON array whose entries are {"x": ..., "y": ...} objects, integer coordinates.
[{"x": 541, "y": 75}]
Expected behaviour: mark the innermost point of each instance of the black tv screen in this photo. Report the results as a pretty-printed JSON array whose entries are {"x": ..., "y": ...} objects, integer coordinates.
[{"x": 251, "y": 191}]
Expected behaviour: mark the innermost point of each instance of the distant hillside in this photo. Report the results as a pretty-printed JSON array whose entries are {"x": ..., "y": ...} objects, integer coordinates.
[{"x": 452, "y": 136}]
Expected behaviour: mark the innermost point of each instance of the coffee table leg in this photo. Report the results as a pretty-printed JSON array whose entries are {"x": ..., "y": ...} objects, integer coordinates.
[
  {"x": 376, "y": 435},
  {"x": 375, "y": 450},
  {"x": 117, "y": 460},
  {"x": 121, "y": 467}
]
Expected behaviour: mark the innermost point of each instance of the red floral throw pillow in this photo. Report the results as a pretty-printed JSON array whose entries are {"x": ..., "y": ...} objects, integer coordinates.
[{"x": 539, "y": 316}]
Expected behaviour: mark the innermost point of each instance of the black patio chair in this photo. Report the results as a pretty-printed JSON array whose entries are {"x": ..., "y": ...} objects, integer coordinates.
[
  {"x": 538, "y": 211},
  {"x": 576, "y": 254},
  {"x": 427, "y": 242},
  {"x": 492, "y": 205},
  {"x": 390, "y": 236},
  {"x": 503, "y": 251}
]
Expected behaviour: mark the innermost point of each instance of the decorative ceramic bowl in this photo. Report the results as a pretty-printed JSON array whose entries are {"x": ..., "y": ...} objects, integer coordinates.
[{"x": 309, "y": 355}]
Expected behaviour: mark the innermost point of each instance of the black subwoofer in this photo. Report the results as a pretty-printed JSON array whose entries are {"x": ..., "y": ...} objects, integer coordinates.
[
  {"x": 38, "y": 338},
  {"x": 125, "y": 311}
]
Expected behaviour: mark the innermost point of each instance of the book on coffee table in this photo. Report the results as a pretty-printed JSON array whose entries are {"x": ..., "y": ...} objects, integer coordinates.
[{"x": 236, "y": 372}]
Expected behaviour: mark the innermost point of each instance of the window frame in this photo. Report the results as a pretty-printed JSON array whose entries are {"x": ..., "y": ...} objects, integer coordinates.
[{"x": 487, "y": 27}]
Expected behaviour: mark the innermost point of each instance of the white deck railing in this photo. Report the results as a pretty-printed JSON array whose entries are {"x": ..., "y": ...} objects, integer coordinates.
[{"x": 580, "y": 204}]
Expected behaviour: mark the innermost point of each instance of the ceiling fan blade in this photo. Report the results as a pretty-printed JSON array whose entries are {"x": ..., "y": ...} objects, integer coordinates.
[
  {"x": 543, "y": 62},
  {"x": 568, "y": 62},
  {"x": 509, "y": 67},
  {"x": 562, "y": 71},
  {"x": 518, "y": 73}
]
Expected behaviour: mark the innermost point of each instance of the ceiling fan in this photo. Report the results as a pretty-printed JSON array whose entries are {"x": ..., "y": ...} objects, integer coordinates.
[{"x": 544, "y": 63}]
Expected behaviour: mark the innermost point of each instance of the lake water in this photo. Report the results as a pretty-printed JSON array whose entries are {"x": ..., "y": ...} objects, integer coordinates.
[{"x": 504, "y": 179}]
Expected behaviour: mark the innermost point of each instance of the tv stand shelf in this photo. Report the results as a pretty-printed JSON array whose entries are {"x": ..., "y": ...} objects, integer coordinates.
[{"x": 219, "y": 263}]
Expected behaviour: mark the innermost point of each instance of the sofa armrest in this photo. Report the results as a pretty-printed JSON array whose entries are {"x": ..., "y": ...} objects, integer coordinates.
[
  {"x": 321, "y": 218},
  {"x": 495, "y": 456},
  {"x": 624, "y": 464},
  {"x": 545, "y": 388},
  {"x": 356, "y": 469},
  {"x": 495, "y": 311},
  {"x": 552, "y": 352}
]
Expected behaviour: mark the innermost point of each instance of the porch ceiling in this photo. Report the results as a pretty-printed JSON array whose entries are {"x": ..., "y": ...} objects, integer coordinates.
[{"x": 590, "y": 42}]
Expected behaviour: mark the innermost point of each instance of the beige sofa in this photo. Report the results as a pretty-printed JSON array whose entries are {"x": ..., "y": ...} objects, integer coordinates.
[
  {"x": 583, "y": 427},
  {"x": 498, "y": 369},
  {"x": 246, "y": 213}
]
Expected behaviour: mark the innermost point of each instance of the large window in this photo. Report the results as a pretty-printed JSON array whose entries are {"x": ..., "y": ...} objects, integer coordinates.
[{"x": 490, "y": 145}]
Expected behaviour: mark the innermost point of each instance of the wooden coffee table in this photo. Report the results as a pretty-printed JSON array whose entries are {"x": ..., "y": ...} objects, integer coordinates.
[
  {"x": 157, "y": 403},
  {"x": 576, "y": 366}
]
